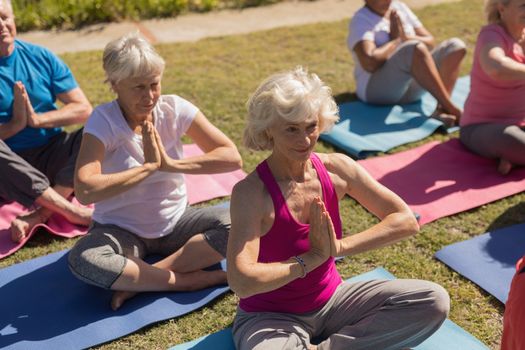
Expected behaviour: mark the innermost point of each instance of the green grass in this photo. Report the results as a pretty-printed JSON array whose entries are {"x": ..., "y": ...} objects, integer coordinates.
[{"x": 219, "y": 74}]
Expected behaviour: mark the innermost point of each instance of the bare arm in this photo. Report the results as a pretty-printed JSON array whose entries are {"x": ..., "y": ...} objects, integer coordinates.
[
  {"x": 220, "y": 154},
  {"x": 76, "y": 110},
  {"x": 246, "y": 275},
  {"x": 10, "y": 128},
  {"x": 499, "y": 66},
  {"x": 372, "y": 57},
  {"x": 92, "y": 186},
  {"x": 423, "y": 35},
  {"x": 397, "y": 221}
]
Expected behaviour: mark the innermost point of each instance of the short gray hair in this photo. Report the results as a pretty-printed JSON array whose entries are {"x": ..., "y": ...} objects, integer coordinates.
[
  {"x": 491, "y": 10},
  {"x": 293, "y": 96},
  {"x": 7, "y": 3},
  {"x": 130, "y": 56}
]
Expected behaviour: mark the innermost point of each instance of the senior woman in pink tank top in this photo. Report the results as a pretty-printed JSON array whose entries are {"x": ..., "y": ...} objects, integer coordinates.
[
  {"x": 286, "y": 232},
  {"x": 494, "y": 118}
]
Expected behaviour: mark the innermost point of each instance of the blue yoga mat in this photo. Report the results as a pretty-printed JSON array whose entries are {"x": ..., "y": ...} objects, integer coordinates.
[
  {"x": 449, "y": 337},
  {"x": 488, "y": 260},
  {"x": 365, "y": 129},
  {"x": 44, "y": 307}
]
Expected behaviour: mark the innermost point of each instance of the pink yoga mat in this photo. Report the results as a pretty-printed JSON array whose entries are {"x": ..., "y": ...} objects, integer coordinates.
[
  {"x": 205, "y": 187},
  {"x": 57, "y": 225},
  {"x": 200, "y": 188},
  {"x": 441, "y": 179}
]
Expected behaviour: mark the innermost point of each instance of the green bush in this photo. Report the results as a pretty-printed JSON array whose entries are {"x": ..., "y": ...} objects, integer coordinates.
[{"x": 72, "y": 14}]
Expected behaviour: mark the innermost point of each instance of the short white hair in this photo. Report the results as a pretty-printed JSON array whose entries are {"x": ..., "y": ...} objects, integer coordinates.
[
  {"x": 130, "y": 56},
  {"x": 6, "y": 3},
  {"x": 492, "y": 11},
  {"x": 293, "y": 96}
]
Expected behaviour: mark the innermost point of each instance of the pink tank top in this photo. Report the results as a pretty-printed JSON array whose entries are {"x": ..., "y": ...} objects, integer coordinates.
[
  {"x": 288, "y": 237},
  {"x": 495, "y": 101}
]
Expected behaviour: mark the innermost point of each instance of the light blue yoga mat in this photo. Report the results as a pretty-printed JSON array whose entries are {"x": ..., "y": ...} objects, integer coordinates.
[
  {"x": 449, "y": 337},
  {"x": 489, "y": 260},
  {"x": 365, "y": 129},
  {"x": 42, "y": 306}
]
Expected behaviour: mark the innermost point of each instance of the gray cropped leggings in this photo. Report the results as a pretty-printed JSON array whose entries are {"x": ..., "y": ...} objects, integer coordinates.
[
  {"x": 378, "y": 314},
  {"x": 393, "y": 82},
  {"x": 495, "y": 141},
  {"x": 99, "y": 257}
]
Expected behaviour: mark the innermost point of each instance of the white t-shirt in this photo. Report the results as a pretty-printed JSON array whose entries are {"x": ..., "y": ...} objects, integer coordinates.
[
  {"x": 151, "y": 208},
  {"x": 368, "y": 25}
]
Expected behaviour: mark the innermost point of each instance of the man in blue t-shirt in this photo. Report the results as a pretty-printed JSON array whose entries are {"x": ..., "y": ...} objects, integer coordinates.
[{"x": 37, "y": 158}]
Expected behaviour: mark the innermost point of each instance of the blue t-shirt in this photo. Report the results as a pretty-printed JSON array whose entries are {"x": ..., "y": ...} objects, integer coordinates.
[{"x": 44, "y": 75}]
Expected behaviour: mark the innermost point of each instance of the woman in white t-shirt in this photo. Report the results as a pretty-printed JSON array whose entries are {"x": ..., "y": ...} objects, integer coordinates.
[
  {"x": 395, "y": 59},
  {"x": 131, "y": 166}
]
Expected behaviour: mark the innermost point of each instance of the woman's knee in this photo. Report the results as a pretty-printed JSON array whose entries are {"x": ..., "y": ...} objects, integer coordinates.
[
  {"x": 224, "y": 220},
  {"x": 421, "y": 51},
  {"x": 456, "y": 45},
  {"x": 409, "y": 45},
  {"x": 218, "y": 239},
  {"x": 97, "y": 265},
  {"x": 512, "y": 145},
  {"x": 214, "y": 223},
  {"x": 454, "y": 51},
  {"x": 405, "y": 52},
  {"x": 218, "y": 219},
  {"x": 440, "y": 305}
]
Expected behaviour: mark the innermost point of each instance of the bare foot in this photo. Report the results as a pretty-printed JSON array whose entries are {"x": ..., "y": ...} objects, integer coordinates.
[
  {"x": 504, "y": 166},
  {"x": 190, "y": 281},
  {"x": 119, "y": 297},
  {"x": 447, "y": 119},
  {"x": 456, "y": 112},
  {"x": 22, "y": 225}
]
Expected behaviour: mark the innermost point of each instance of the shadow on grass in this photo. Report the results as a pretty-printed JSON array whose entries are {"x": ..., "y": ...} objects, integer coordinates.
[
  {"x": 513, "y": 215},
  {"x": 345, "y": 97}
]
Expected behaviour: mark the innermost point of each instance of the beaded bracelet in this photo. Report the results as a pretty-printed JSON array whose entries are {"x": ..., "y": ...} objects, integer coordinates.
[{"x": 301, "y": 262}]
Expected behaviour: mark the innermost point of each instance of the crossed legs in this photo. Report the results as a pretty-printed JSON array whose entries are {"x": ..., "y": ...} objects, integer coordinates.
[
  {"x": 181, "y": 271},
  {"x": 371, "y": 315},
  {"x": 506, "y": 143},
  {"x": 412, "y": 69},
  {"x": 112, "y": 257}
]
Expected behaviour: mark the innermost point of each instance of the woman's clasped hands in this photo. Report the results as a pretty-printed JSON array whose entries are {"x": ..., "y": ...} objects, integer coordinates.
[
  {"x": 323, "y": 241},
  {"x": 396, "y": 27},
  {"x": 155, "y": 155}
]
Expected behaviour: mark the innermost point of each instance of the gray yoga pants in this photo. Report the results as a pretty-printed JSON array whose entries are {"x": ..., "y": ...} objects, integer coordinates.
[
  {"x": 99, "y": 257},
  {"x": 26, "y": 174},
  {"x": 378, "y": 314},
  {"x": 393, "y": 82},
  {"x": 495, "y": 141}
]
